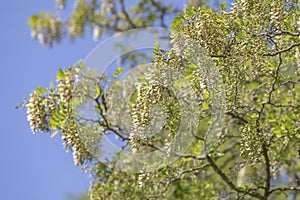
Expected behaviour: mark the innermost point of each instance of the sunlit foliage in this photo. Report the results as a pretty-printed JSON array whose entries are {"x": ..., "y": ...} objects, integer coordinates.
[{"x": 255, "y": 46}]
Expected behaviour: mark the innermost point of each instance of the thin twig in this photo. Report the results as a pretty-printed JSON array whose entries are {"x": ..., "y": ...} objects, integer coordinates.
[{"x": 126, "y": 14}]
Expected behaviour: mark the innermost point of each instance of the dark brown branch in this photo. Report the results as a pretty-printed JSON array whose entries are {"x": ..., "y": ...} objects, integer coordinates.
[
  {"x": 244, "y": 121},
  {"x": 283, "y": 50},
  {"x": 106, "y": 123},
  {"x": 285, "y": 189},
  {"x": 162, "y": 15},
  {"x": 222, "y": 175},
  {"x": 275, "y": 78},
  {"x": 228, "y": 181},
  {"x": 290, "y": 33},
  {"x": 126, "y": 14},
  {"x": 284, "y": 106},
  {"x": 197, "y": 137},
  {"x": 273, "y": 88},
  {"x": 258, "y": 130},
  {"x": 268, "y": 171},
  {"x": 217, "y": 56},
  {"x": 287, "y": 82}
]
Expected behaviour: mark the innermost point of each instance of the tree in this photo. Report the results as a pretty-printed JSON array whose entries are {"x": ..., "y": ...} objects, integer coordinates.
[
  {"x": 244, "y": 146},
  {"x": 102, "y": 17}
]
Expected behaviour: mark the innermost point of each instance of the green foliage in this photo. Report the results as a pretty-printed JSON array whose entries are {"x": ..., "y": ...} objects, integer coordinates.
[
  {"x": 46, "y": 27},
  {"x": 156, "y": 48},
  {"x": 177, "y": 22},
  {"x": 223, "y": 5},
  {"x": 117, "y": 72},
  {"x": 255, "y": 46},
  {"x": 102, "y": 17}
]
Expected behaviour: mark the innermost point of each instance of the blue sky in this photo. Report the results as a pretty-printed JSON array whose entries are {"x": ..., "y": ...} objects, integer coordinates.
[{"x": 33, "y": 167}]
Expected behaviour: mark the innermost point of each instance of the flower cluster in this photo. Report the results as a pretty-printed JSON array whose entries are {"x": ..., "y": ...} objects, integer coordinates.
[
  {"x": 142, "y": 178},
  {"x": 250, "y": 144},
  {"x": 47, "y": 29},
  {"x": 277, "y": 13},
  {"x": 65, "y": 89},
  {"x": 36, "y": 114},
  {"x": 73, "y": 141},
  {"x": 60, "y": 4}
]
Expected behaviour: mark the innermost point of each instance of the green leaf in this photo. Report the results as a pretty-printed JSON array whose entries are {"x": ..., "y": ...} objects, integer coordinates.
[
  {"x": 118, "y": 71},
  {"x": 60, "y": 74},
  {"x": 278, "y": 132},
  {"x": 223, "y": 5},
  {"x": 54, "y": 134},
  {"x": 40, "y": 90},
  {"x": 81, "y": 65},
  {"x": 53, "y": 122},
  {"x": 99, "y": 92},
  {"x": 177, "y": 21},
  {"x": 156, "y": 47},
  {"x": 32, "y": 21},
  {"x": 253, "y": 85},
  {"x": 51, "y": 85},
  {"x": 220, "y": 21},
  {"x": 204, "y": 106},
  {"x": 254, "y": 116},
  {"x": 190, "y": 11},
  {"x": 242, "y": 35},
  {"x": 169, "y": 53},
  {"x": 54, "y": 119},
  {"x": 206, "y": 95},
  {"x": 246, "y": 22}
]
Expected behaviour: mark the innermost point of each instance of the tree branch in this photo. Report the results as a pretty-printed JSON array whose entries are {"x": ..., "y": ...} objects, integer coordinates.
[
  {"x": 283, "y": 50},
  {"x": 162, "y": 15},
  {"x": 228, "y": 181},
  {"x": 126, "y": 14},
  {"x": 268, "y": 171},
  {"x": 284, "y": 189}
]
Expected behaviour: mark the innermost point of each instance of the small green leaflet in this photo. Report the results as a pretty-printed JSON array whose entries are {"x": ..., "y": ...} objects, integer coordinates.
[
  {"x": 51, "y": 85},
  {"x": 54, "y": 119},
  {"x": 118, "y": 71},
  {"x": 39, "y": 91},
  {"x": 190, "y": 11},
  {"x": 223, "y": 5},
  {"x": 99, "y": 92},
  {"x": 156, "y": 47},
  {"x": 204, "y": 106},
  {"x": 54, "y": 134},
  {"x": 32, "y": 21},
  {"x": 177, "y": 21},
  {"x": 60, "y": 74}
]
